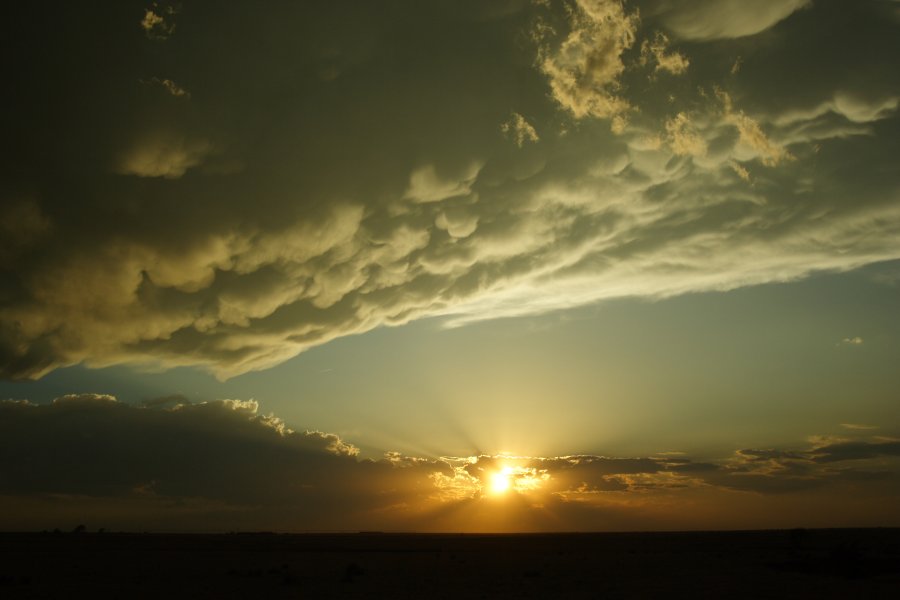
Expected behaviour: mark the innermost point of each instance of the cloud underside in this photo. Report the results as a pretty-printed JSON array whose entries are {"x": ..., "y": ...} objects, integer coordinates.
[
  {"x": 364, "y": 186},
  {"x": 223, "y": 465},
  {"x": 699, "y": 20}
]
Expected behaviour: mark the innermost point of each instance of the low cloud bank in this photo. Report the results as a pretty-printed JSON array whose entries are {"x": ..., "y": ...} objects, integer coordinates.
[{"x": 222, "y": 465}]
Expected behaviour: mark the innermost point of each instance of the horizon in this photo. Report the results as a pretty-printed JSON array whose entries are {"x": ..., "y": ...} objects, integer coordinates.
[
  {"x": 523, "y": 266},
  {"x": 76, "y": 531}
]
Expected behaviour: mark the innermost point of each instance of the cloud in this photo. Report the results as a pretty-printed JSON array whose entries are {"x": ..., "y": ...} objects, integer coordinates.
[
  {"x": 224, "y": 465},
  {"x": 855, "y": 450},
  {"x": 157, "y": 22},
  {"x": 751, "y": 134},
  {"x": 22, "y": 225},
  {"x": 752, "y": 455},
  {"x": 151, "y": 22},
  {"x": 276, "y": 211},
  {"x": 779, "y": 471},
  {"x": 426, "y": 185},
  {"x": 169, "y": 86},
  {"x": 519, "y": 130},
  {"x": 172, "y": 399},
  {"x": 220, "y": 453},
  {"x": 657, "y": 52},
  {"x": 858, "y": 426},
  {"x": 699, "y": 20},
  {"x": 459, "y": 223},
  {"x": 583, "y": 70},
  {"x": 683, "y": 138},
  {"x": 854, "y": 109},
  {"x": 740, "y": 171},
  {"x": 164, "y": 154}
]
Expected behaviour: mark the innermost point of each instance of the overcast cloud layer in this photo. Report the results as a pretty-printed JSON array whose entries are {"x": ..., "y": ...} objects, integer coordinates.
[
  {"x": 187, "y": 185},
  {"x": 171, "y": 465}
]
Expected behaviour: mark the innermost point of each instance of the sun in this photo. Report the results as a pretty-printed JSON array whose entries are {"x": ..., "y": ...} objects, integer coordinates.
[{"x": 500, "y": 481}]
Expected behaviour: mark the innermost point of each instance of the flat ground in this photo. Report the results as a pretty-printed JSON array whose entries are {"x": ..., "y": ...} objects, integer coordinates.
[{"x": 850, "y": 563}]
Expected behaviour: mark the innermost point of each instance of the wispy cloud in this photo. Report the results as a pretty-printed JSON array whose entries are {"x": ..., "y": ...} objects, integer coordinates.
[
  {"x": 858, "y": 426},
  {"x": 169, "y": 86},
  {"x": 519, "y": 130}
]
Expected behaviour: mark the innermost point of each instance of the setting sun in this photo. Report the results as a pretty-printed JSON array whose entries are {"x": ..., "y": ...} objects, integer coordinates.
[{"x": 500, "y": 481}]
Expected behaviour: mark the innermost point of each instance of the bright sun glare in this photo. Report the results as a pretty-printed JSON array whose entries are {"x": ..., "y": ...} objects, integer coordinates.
[{"x": 500, "y": 481}]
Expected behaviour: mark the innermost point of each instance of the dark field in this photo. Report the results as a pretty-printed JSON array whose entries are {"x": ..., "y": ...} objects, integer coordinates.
[{"x": 763, "y": 564}]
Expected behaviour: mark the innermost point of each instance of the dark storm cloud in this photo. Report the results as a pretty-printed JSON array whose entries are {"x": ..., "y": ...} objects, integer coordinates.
[
  {"x": 171, "y": 400},
  {"x": 208, "y": 184},
  {"x": 836, "y": 450},
  {"x": 216, "y": 454},
  {"x": 856, "y": 450},
  {"x": 92, "y": 444}
]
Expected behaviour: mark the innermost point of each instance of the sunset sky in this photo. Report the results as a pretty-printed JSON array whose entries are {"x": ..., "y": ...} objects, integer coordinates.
[{"x": 450, "y": 265}]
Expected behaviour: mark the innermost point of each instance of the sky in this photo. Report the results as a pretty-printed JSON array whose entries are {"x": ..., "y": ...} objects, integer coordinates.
[{"x": 507, "y": 265}]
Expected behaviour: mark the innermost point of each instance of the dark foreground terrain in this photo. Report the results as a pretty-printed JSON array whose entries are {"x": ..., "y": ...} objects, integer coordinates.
[{"x": 850, "y": 563}]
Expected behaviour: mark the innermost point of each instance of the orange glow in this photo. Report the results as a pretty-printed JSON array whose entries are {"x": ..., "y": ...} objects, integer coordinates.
[
  {"x": 500, "y": 481},
  {"x": 504, "y": 475}
]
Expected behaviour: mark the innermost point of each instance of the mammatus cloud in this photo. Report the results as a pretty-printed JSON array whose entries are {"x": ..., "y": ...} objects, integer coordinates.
[
  {"x": 699, "y": 20},
  {"x": 222, "y": 464},
  {"x": 427, "y": 185},
  {"x": 277, "y": 210},
  {"x": 164, "y": 154}
]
